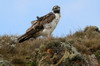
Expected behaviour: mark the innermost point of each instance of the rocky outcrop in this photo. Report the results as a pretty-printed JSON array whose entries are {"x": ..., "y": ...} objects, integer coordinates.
[{"x": 62, "y": 54}]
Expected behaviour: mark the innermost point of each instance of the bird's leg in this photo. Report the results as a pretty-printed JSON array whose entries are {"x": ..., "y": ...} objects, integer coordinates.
[{"x": 49, "y": 37}]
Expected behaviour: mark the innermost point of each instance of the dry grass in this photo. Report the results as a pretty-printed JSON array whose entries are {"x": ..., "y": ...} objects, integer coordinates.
[
  {"x": 21, "y": 53},
  {"x": 86, "y": 41}
]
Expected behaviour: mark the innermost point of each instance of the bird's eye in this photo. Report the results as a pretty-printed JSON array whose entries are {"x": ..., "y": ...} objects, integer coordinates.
[{"x": 55, "y": 8}]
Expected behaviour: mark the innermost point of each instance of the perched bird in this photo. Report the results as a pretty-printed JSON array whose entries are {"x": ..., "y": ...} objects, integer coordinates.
[{"x": 43, "y": 26}]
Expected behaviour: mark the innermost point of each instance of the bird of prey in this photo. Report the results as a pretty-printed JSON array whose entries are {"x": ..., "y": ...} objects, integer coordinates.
[{"x": 43, "y": 26}]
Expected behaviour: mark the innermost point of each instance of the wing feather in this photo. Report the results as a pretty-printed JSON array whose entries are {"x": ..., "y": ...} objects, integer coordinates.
[
  {"x": 38, "y": 24},
  {"x": 45, "y": 19},
  {"x": 37, "y": 27},
  {"x": 32, "y": 32}
]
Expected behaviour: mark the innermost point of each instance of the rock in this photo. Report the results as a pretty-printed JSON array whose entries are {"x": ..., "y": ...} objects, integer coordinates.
[{"x": 59, "y": 54}]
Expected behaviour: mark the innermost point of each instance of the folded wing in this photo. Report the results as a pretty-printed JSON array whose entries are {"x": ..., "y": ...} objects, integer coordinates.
[{"x": 37, "y": 27}]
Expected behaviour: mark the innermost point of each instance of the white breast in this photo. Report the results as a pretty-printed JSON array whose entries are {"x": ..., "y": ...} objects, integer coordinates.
[{"x": 48, "y": 28}]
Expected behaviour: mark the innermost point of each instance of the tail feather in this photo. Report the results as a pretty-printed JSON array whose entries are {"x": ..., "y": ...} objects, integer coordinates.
[{"x": 23, "y": 38}]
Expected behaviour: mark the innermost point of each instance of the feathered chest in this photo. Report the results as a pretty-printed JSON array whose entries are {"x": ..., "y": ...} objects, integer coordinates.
[
  {"x": 49, "y": 27},
  {"x": 52, "y": 25}
]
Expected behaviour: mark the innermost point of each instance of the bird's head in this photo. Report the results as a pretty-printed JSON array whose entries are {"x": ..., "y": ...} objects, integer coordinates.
[{"x": 56, "y": 9}]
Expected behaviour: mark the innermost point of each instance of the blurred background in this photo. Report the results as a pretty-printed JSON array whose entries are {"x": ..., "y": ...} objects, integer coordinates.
[{"x": 16, "y": 15}]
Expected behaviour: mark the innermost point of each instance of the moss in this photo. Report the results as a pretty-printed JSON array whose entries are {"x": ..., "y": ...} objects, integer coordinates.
[
  {"x": 97, "y": 54},
  {"x": 31, "y": 64}
]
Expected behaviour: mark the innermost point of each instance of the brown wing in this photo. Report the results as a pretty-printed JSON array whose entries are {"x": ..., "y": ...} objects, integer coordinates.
[
  {"x": 45, "y": 19},
  {"x": 37, "y": 27},
  {"x": 32, "y": 32},
  {"x": 37, "y": 24}
]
